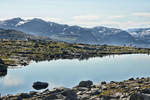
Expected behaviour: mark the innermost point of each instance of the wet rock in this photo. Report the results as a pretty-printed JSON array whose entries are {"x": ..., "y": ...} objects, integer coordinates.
[
  {"x": 40, "y": 85},
  {"x": 85, "y": 83}
]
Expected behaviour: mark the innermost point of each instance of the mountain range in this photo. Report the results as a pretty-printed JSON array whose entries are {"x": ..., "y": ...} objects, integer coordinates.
[{"x": 76, "y": 34}]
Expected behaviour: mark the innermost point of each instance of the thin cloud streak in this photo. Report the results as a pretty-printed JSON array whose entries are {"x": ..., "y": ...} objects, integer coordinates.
[{"x": 142, "y": 14}]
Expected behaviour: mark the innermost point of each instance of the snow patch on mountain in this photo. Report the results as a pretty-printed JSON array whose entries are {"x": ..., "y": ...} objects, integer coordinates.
[{"x": 22, "y": 22}]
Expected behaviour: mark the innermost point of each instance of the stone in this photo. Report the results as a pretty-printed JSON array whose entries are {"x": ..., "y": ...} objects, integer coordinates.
[
  {"x": 103, "y": 82},
  {"x": 1, "y": 61},
  {"x": 69, "y": 94},
  {"x": 131, "y": 79},
  {"x": 138, "y": 96},
  {"x": 146, "y": 91},
  {"x": 40, "y": 85},
  {"x": 51, "y": 97},
  {"x": 85, "y": 83},
  {"x": 83, "y": 89},
  {"x": 32, "y": 93},
  {"x": 104, "y": 87},
  {"x": 25, "y": 95},
  {"x": 140, "y": 81},
  {"x": 95, "y": 91},
  {"x": 84, "y": 97}
]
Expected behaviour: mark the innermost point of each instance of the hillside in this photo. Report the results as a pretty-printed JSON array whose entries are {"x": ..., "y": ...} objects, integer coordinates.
[{"x": 11, "y": 34}]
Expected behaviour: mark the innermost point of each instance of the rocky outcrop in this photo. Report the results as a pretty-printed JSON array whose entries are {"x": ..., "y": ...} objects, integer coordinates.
[
  {"x": 3, "y": 68},
  {"x": 132, "y": 89}
]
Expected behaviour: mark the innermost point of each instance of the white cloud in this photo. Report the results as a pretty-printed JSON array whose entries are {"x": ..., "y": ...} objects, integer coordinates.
[
  {"x": 86, "y": 18},
  {"x": 142, "y": 14},
  {"x": 116, "y": 17},
  {"x": 44, "y": 18},
  {"x": 10, "y": 81},
  {"x": 28, "y": 18},
  {"x": 125, "y": 25}
]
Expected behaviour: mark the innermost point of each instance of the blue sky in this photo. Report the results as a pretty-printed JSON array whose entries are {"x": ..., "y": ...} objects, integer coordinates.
[{"x": 87, "y": 13}]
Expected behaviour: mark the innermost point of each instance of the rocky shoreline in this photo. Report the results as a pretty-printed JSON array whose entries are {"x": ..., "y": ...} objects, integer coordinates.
[{"x": 131, "y": 89}]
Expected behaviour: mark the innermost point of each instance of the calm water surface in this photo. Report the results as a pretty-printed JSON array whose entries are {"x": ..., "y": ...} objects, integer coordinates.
[{"x": 68, "y": 73}]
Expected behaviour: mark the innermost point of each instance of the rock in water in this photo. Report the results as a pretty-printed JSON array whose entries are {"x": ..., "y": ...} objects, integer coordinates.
[{"x": 40, "y": 85}]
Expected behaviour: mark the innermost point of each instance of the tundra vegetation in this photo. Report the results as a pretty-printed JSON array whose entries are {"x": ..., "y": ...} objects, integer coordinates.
[{"x": 22, "y": 52}]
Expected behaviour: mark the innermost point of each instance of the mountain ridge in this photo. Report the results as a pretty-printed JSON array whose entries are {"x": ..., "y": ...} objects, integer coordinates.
[{"x": 75, "y": 34}]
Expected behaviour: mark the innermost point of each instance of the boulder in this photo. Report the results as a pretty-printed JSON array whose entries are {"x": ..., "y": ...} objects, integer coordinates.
[
  {"x": 131, "y": 79},
  {"x": 85, "y": 83},
  {"x": 50, "y": 97},
  {"x": 138, "y": 96},
  {"x": 103, "y": 82},
  {"x": 25, "y": 95},
  {"x": 40, "y": 85},
  {"x": 69, "y": 94},
  {"x": 3, "y": 69},
  {"x": 1, "y": 61},
  {"x": 146, "y": 91}
]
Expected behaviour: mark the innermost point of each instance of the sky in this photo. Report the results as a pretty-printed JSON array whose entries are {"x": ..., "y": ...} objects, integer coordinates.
[{"x": 122, "y": 14}]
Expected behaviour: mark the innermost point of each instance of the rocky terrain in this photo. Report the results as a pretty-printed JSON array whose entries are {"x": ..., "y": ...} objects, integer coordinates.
[{"x": 132, "y": 89}]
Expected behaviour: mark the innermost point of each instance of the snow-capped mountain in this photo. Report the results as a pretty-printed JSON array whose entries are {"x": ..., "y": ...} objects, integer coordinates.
[
  {"x": 141, "y": 33},
  {"x": 71, "y": 34},
  {"x": 112, "y": 36}
]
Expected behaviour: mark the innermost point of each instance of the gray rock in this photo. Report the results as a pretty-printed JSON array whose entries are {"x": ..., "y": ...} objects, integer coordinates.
[
  {"x": 146, "y": 91},
  {"x": 84, "y": 97},
  {"x": 25, "y": 95},
  {"x": 32, "y": 93},
  {"x": 69, "y": 94},
  {"x": 85, "y": 83},
  {"x": 51, "y": 97},
  {"x": 138, "y": 96},
  {"x": 131, "y": 79},
  {"x": 104, "y": 87},
  {"x": 140, "y": 81},
  {"x": 95, "y": 91},
  {"x": 83, "y": 89}
]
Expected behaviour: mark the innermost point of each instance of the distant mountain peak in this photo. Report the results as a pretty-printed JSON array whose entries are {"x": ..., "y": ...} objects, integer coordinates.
[{"x": 17, "y": 19}]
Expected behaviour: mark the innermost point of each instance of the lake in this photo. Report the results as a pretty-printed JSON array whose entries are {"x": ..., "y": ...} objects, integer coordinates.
[{"x": 69, "y": 73}]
